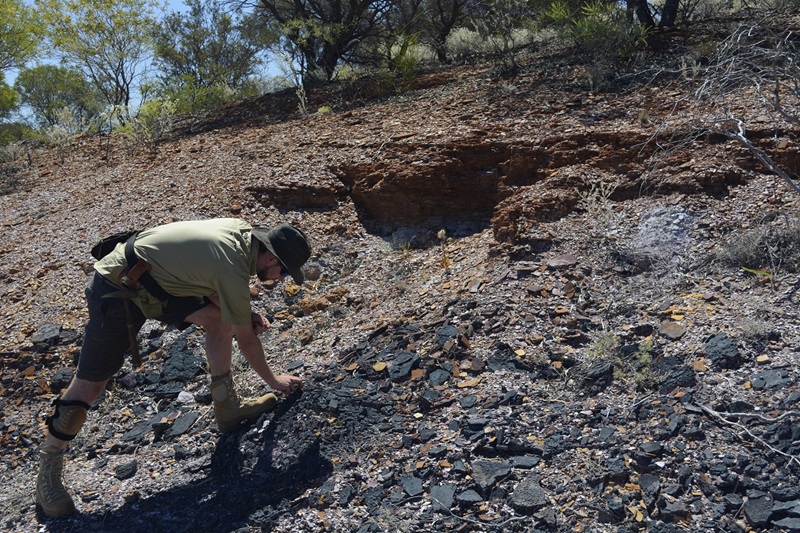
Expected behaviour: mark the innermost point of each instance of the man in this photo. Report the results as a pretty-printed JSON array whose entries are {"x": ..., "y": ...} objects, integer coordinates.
[{"x": 182, "y": 273}]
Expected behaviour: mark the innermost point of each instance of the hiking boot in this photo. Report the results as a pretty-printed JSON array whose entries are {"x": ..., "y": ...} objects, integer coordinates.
[
  {"x": 230, "y": 411},
  {"x": 51, "y": 495}
]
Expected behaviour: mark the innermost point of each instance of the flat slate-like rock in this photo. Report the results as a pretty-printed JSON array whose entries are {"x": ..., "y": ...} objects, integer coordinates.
[
  {"x": 528, "y": 495},
  {"x": 487, "y": 473}
]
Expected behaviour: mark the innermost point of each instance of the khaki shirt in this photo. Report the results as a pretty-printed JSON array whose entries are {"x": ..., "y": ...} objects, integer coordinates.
[{"x": 196, "y": 258}]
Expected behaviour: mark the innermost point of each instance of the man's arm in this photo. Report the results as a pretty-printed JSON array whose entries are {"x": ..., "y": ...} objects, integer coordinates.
[{"x": 253, "y": 351}]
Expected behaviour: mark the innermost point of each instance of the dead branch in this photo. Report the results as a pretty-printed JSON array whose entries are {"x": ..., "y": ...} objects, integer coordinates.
[{"x": 720, "y": 417}]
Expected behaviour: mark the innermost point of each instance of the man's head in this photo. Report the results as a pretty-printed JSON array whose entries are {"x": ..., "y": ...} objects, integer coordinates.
[{"x": 289, "y": 245}]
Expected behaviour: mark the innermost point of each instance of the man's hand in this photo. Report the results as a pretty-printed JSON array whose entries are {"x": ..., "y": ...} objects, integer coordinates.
[
  {"x": 287, "y": 384},
  {"x": 260, "y": 324}
]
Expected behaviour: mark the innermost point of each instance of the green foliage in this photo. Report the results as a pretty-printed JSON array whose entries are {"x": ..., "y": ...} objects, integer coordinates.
[
  {"x": 504, "y": 26},
  {"x": 13, "y": 132},
  {"x": 318, "y": 35},
  {"x": 47, "y": 89},
  {"x": 65, "y": 126},
  {"x": 604, "y": 345},
  {"x": 637, "y": 369},
  {"x": 20, "y": 34},
  {"x": 187, "y": 97},
  {"x": 401, "y": 56},
  {"x": 152, "y": 122},
  {"x": 206, "y": 56},
  {"x": 599, "y": 28},
  {"x": 108, "y": 40},
  {"x": 8, "y": 100}
]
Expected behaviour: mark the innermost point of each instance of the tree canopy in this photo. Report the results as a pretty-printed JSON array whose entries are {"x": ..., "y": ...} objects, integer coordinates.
[
  {"x": 48, "y": 89},
  {"x": 19, "y": 34},
  {"x": 107, "y": 40},
  {"x": 206, "y": 50}
]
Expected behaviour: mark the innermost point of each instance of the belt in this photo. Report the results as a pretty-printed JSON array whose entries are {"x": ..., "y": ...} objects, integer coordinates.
[{"x": 139, "y": 271}]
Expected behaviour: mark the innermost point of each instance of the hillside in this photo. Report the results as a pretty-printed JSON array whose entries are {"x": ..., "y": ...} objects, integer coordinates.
[{"x": 578, "y": 351}]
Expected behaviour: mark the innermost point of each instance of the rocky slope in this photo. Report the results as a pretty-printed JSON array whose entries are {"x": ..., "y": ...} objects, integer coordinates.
[{"x": 577, "y": 349}]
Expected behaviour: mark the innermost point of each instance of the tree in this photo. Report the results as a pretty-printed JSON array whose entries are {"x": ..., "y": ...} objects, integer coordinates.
[
  {"x": 205, "y": 51},
  {"x": 8, "y": 100},
  {"x": 318, "y": 34},
  {"x": 19, "y": 34},
  {"x": 107, "y": 40},
  {"x": 48, "y": 89},
  {"x": 441, "y": 18}
]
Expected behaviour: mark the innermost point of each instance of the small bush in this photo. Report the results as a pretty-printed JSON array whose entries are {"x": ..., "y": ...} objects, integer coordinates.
[
  {"x": 152, "y": 122},
  {"x": 12, "y": 152},
  {"x": 602, "y": 29},
  {"x": 775, "y": 248}
]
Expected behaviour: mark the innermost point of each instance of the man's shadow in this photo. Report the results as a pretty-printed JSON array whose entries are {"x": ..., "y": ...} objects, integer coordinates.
[{"x": 233, "y": 496}]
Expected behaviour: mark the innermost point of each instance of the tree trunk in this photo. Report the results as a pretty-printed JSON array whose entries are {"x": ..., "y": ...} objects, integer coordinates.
[
  {"x": 669, "y": 14},
  {"x": 642, "y": 11}
]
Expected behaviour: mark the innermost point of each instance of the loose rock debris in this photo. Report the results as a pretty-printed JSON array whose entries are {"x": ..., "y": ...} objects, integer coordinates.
[{"x": 545, "y": 366}]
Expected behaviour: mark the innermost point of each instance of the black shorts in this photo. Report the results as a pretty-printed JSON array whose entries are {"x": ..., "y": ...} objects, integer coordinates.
[{"x": 105, "y": 340}]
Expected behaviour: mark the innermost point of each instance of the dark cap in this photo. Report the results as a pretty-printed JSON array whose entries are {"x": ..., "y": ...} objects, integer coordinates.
[{"x": 289, "y": 245}]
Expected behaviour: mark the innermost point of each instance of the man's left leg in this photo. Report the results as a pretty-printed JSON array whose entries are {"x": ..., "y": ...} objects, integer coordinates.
[
  {"x": 229, "y": 410},
  {"x": 62, "y": 426}
]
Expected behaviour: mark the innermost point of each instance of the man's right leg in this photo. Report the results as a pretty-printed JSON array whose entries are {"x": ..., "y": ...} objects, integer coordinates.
[{"x": 62, "y": 426}]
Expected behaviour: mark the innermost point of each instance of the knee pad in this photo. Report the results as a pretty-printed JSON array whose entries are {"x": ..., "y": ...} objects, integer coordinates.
[{"x": 68, "y": 418}]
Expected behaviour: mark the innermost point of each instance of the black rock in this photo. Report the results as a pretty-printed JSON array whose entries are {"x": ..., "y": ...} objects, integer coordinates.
[
  {"x": 346, "y": 494},
  {"x": 68, "y": 336},
  {"x": 732, "y": 501},
  {"x": 477, "y": 423},
  {"x": 790, "y": 524},
  {"x": 617, "y": 470},
  {"x": 598, "y": 376},
  {"x": 126, "y": 470},
  {"x": 673, "y": 373},
  {"x": 672, "y": 511},
  {"x": 442, "y": 497},
  {"x": 438, "y": 377},
  {"x": 528, "y": 495},
  {"x": 487, "y": 473},
  {"x": 605, "y": 434},
  {"x": 428, "y": 398},
  {"x": 468, "y": 402},
  {"x": 554, "y": 445},
  {"x": 525, "y": 462},
  {"x": 61, "y": 379},
  {"x": 613, "y": 511},
  {"x": 412, "y": 485},
  {"x": 758, "y": 510},
  {"x": 771, "y": 379},
  {"x": 182, "y": 424},
  {"x": 651, "y": 487},
  {"x": 401, "y": 366},
  {"x": 786, "y": 493},
  {"x": 46, "y": 335},
  {"x": 469, "y": 497},
  {"x": 167, "y": 390},
  {"x": 143, "y": 427},
  {"x": 182, "y": 364},
  {"x": 652, "y": 448},
  {"x": 723, "y": 352}
]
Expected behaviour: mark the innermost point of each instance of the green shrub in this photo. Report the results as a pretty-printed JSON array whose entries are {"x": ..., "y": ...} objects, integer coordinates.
[
  {"x": 152, "y": 122},
  {"x": 598, "y": 28}
]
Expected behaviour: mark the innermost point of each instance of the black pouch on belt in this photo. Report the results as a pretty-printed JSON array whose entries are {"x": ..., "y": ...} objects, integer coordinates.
[{"x": 107, "y": 244}]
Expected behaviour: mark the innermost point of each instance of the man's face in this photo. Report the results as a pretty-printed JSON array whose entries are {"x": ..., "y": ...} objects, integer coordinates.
[{"x": 269, "y": 268}]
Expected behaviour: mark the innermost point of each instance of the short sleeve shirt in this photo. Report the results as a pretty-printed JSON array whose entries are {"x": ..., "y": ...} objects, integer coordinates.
[{"x": 213, "y": 257}]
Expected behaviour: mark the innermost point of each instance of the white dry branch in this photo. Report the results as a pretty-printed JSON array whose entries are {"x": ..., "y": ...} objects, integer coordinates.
[{"x": 759, "y": 60}]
